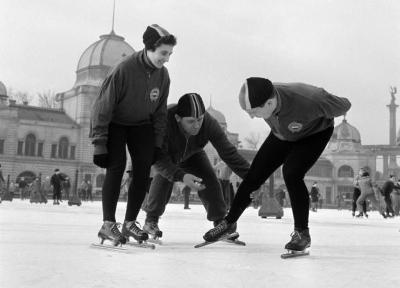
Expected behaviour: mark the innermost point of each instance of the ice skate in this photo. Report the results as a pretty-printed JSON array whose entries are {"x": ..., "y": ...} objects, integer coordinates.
[
  {"x": 234, "y": 238},
  {"x": 224, "y": 237},
  {"x": 299, "y": 244},
  {"x": 222, "y": 231},
  {"x": 109, "y": 232},
  {"x": 151, "y": 227},
  {"x": 131, "y": 229}
]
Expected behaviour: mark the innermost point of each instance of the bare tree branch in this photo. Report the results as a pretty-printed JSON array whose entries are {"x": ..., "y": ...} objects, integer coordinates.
[
  {"x": 252, "y": 140},
  {"x": 47, "y": 99},
  {"x": 19, "y": 96}
]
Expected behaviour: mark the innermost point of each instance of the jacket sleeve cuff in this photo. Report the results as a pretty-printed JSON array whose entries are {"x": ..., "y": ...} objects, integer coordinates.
[{"x": 100, "y": 149}]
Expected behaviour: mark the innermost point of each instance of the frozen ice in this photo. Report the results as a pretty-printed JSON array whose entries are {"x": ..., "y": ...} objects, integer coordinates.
[{"x": 48, "y": 246}]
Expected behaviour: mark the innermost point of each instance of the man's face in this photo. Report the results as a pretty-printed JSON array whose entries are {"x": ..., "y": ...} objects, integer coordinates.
[
  {"x": 264, "y": 111},
  {"x": 190, "y": 125},
  {"x": 161, "y": 55}
]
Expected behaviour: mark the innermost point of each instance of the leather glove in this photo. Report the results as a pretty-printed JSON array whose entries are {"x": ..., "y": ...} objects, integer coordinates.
[
  {"x": 157, "y": 154},
  {"x": 101, "y": 160},
  {"x": 100, "y": 157}
]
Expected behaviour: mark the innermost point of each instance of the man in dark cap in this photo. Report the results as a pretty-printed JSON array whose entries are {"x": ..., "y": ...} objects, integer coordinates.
[
  {"x": 189, "y": 128},
  {"x": 301, "y": 118},
  {"x": 56, "y": 181},
  {"x": 130, "y": 111}
]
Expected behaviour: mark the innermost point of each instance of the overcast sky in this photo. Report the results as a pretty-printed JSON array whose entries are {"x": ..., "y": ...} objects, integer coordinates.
[{"x": 349, "y": 47}]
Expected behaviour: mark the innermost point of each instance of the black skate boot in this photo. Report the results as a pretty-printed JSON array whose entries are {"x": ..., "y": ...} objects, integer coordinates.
[
  {"x": 110, "y": 231},
  {"x": 220, "y": 230},
  {"x": 361, "y": 214},
  {"x": 130, "y": 229},
  {"x": 300, "y": 240},
  {"x": 232, "y": 238},
  {"x": 151, "y": 227}
]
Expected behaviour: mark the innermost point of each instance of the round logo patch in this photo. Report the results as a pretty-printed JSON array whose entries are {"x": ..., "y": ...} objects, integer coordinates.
[
  {"x": 295, "y": 127},
  {"x": 154, "y": 94}
]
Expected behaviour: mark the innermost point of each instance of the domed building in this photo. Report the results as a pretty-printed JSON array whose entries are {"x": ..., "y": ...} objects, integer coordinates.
[
  {"x": 3, "y": 94},
  {"x": 232, "y": 137},
  {"x": 34, "y": 140}
]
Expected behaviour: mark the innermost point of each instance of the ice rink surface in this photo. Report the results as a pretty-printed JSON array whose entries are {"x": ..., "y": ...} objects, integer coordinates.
[{"x": 48, "y": 246}]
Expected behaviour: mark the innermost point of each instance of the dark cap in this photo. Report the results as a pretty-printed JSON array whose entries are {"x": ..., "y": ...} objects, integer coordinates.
[
  {"x": 255, "y": 92},
  {"x": 152, "y": 34},
  {"x": 190, "y": 105}
]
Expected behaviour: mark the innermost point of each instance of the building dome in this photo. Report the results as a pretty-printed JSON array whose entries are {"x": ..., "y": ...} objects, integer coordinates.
[
  {"x": 346, "y": 132},
  {"x": 99, "y": 57},
  {"x": 217, "y": 115},
  {"x": 107, "y": 51},
  {"x": 3, "y": 90}
]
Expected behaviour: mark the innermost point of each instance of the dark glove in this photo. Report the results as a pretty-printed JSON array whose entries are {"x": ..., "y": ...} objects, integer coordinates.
[
  {"x": 100, "y": 157},
  {"x": 101, "y": 160},
  {"x": 157, "y": 154}
]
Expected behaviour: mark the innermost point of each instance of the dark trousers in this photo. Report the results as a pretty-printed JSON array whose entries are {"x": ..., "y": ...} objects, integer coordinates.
[
  {"x": 186, "y": 195},
  {"x": 211, "y": 196},
  {"x": 56, "y": 193},
  {"x": 297, "y": 158},
  {"x": 389, "y": 206},
  {"x": 357, "y": 194},
  {"x": 140, "y": 143}
]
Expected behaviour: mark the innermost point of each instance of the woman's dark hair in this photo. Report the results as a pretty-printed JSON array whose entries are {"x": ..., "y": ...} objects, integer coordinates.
[{"x": 167, "y": 40}]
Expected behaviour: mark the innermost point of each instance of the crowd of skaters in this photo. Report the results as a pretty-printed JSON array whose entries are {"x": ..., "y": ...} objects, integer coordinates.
[{"x": 56, "y": 186}]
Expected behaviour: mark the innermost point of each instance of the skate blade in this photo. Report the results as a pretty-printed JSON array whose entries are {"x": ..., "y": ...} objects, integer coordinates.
[
  {"x": 143, "y": 244},
  {"x": 293, "y": 253},
  {"x": 236, "y": 241},
  {"x": 222, "y": 238},
  {"x": 110, "y": 247},
  {"x": 155, "y": 240}
]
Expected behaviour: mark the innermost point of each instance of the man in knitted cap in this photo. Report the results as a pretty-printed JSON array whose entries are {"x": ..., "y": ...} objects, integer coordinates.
[
  {"x": 130, "y": 112},
  {"x": 301, "y": 118},
  {"x": 189, "y": 128}
]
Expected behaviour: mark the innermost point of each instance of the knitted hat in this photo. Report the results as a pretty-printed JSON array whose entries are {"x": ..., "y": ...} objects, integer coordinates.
[
  {"x": 152, "y": 34},
  {"x": 190, "y": 105},
  {"x": 255, "y": 92}
]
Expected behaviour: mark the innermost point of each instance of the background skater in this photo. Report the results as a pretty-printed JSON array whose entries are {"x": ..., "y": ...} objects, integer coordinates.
[{"x": 301, "y": 121}]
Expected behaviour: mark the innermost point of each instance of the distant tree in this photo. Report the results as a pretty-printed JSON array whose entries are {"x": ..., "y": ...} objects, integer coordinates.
[
  {"x": 252, "y": 140},
  {"x": 19, "y": 96},
  {"x": 47, "y": 99}
]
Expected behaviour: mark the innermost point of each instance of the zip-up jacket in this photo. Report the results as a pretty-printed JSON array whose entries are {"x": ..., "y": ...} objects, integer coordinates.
[
  {"x": 132, "y": 94},
  {"x": 304, "y": 110},
  {"x": 177, "y": 147}
]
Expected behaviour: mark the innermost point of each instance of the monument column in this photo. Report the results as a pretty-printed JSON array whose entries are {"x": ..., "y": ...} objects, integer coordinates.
[{"x": 392, "y": 125}]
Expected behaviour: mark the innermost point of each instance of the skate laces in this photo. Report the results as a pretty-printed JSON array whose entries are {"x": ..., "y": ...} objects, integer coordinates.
[
  {"x": 135, "y": 227},
  {"x": 114, "y": 229},
  {"x": 295, "y": 235},
  {"x": 220, "y": 228}
]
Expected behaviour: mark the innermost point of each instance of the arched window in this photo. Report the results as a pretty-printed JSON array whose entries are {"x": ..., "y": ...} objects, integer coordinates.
[
  {"x": 100, "y": 180},
  {"x": 30, "y": 145},
  {"x": 322, "y": 168},
  {"x": 345, "y": 171},
  {"x": 63, "y": 148}
]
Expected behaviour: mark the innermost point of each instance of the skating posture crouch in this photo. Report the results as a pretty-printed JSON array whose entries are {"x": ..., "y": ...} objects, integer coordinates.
[
  {"x": 130, "y": 112},
  {"x": 301, "y": 118},
  {"x": 183, "y": 159}
]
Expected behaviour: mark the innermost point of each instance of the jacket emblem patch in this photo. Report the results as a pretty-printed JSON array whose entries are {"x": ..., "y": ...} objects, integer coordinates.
[
  {"x": 154, "y": 94},
  {"x": 295, "y": 127}
]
